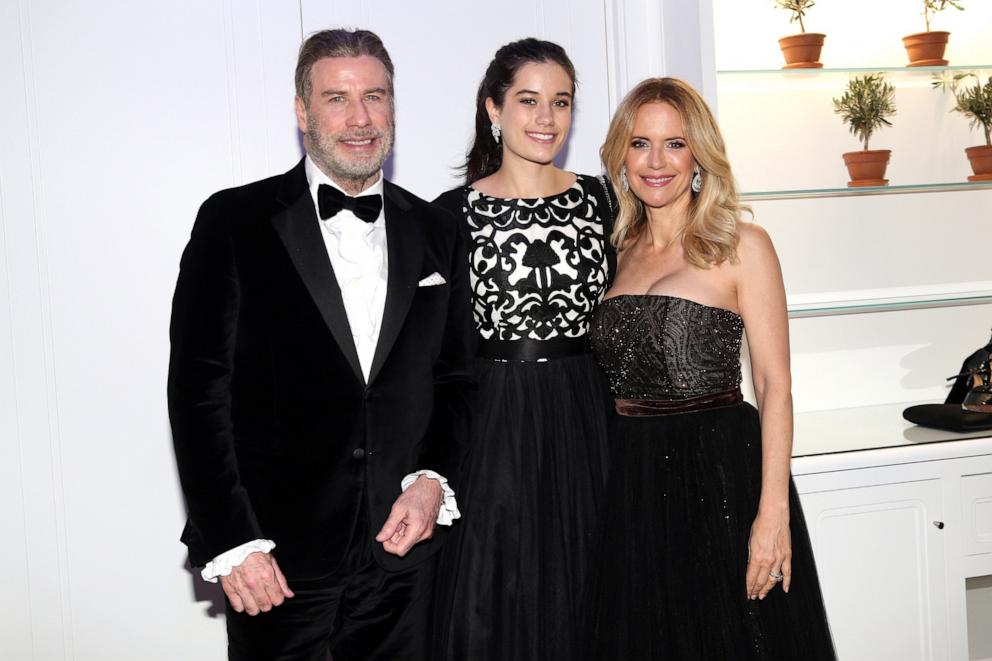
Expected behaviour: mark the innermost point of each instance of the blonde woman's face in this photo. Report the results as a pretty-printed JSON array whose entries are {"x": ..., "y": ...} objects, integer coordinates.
[{"x": 659, "y": 163}]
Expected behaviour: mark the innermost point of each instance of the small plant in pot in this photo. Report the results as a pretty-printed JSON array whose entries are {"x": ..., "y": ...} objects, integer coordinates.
[
  {"x": 975, "y": 103},
  {"x": 865, "y": 107},
  {"x": 801, "y": 51},
  {"x": 926, "y": 49}
]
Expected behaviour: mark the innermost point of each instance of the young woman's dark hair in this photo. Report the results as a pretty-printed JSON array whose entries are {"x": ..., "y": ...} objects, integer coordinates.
[{"x": 486, "y": 155}]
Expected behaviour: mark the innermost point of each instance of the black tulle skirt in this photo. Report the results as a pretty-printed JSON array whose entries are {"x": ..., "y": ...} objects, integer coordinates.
[
  {"x": 511, "y": 574},
  {"x": 669, "y": 566}
]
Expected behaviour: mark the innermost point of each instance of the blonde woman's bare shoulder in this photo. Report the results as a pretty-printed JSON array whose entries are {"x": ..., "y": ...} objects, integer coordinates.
[
  {"x": 755, "y": 243},
  {"x": 756, "y": 257}
]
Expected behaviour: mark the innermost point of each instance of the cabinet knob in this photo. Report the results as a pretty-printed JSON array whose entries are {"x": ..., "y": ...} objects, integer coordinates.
[{"x": 939, "y": 525}]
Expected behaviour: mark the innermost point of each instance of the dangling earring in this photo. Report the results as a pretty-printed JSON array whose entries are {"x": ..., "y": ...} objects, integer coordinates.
[
  {"x": 697, "y": 181},
  {"x": 497, "y": 131},
  {"x": 623, "y": 179}
]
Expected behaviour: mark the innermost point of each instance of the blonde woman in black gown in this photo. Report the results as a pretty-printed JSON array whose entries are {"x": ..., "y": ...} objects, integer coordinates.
[
  {"x": 704, "y": 553},
  {"x": 510, "y": 579}
]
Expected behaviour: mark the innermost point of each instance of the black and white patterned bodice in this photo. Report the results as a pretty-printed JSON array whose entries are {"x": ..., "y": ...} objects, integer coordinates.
[
  {"x": 538, "y": 266},
  {"x": 666, "y": 348}
]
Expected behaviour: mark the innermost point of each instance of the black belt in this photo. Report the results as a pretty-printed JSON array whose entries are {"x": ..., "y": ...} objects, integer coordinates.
[{"x": 532, "y": 350}]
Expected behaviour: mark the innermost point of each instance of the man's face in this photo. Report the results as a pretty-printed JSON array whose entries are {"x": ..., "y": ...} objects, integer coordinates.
[{"x": 348, "y": 121}]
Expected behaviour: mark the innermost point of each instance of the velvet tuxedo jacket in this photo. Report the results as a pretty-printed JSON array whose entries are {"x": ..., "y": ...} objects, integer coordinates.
[{"x": 277, "y": 434}]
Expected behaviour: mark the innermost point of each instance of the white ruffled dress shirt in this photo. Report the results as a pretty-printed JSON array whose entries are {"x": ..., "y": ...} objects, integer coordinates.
[{"x": 358, "y": 255}]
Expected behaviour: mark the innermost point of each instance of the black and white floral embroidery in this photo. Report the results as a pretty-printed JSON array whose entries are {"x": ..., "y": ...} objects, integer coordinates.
[{"x": 538, "y": 266}]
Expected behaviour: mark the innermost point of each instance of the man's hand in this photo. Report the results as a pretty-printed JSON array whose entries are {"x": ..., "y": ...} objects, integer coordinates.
[
  {"x": 256, "y": 585},
  {"x": 412, "y": 518}
]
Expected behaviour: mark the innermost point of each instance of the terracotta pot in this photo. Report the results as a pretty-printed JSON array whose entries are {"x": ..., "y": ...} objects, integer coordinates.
[
  {"x": 926, "y": 49},
  {"x": 802, "y": 51},
  {"x": 981, "y": 162},
  {"x": 867, "y": 168}
]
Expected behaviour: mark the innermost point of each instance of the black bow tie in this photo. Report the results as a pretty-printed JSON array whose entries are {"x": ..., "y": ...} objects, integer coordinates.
[{"x": 330, "y": 200}]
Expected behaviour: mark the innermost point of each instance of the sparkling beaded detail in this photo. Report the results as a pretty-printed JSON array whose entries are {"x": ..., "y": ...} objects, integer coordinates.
[{"x": 665, "y": 347}]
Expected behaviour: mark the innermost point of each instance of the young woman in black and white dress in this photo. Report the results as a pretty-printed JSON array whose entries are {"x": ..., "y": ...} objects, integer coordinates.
[{"x": 510, "y": 578}]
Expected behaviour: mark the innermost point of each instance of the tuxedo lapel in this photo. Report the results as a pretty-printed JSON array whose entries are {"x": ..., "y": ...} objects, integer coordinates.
[
  {"x": 405, "y": 247},
  {"x": 299, "y": 231}
]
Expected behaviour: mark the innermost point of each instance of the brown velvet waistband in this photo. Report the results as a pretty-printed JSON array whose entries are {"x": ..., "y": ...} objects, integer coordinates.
[{"x": 646, "y": 407}]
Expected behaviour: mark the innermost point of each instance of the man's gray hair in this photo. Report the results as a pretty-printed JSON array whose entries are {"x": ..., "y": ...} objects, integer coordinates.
[{"x": 338, "y": 43}]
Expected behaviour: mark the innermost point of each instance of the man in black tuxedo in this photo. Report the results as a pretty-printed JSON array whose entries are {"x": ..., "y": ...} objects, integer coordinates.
[{"x": 319, "y": 381}]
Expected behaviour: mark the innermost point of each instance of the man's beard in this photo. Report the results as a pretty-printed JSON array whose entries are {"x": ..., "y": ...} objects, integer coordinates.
[{"x": 325, "y": 149}]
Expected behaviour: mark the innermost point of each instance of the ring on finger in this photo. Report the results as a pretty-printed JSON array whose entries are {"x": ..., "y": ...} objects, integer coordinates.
[{"x": 775, "y": 576}]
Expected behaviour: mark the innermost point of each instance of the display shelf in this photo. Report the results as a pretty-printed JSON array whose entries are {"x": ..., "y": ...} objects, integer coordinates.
[
  {"x": 866, "y": 428},
  {"x": 901, "y": 189},
  {"x": 889, "y": 300},
  {"x": 786, "y": 120},
  {"x": 826, "y": 71}
]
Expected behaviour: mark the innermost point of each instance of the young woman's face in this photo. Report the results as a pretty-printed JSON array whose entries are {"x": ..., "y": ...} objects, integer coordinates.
[{"x": 536, "y": 113}]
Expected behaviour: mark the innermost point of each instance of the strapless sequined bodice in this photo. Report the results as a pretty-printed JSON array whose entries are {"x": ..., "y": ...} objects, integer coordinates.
[{"x": 666, "y": 348}]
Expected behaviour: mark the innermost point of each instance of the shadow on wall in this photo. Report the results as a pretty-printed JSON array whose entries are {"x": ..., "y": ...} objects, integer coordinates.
[
  {"x": 918, "y": 366},
  {"x": 211, "y": 593}
]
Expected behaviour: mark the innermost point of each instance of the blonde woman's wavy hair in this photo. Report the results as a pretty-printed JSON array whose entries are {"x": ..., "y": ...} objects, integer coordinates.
[{"x": 711, "y": 233}]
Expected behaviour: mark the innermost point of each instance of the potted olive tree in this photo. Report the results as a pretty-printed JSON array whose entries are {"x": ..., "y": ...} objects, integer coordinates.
[
  {"x": 926, "y": 49},
  {"x": 801, "y": 51},
  {"x": 865, "y": 107},
  {"x": 975, "y": 103}
]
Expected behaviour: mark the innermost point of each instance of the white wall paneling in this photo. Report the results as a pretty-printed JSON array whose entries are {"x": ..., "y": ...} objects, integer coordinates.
[
  {"x": 650, "y": 38},
  {"x": 38, "y": 610}
]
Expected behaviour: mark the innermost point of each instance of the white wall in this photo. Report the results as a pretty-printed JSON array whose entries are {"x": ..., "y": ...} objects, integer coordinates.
[
  {"x": 441, "y": 49},
  {"x": 117, "y": 119}
]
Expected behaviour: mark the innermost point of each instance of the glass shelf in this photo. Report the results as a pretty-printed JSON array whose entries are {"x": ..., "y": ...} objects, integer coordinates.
[
  {"x": 865, "y": 190},
  {"x": 827, "y": 305},
  {"x": 865, "y": 428},
  {"x": 828, "y": 71}
]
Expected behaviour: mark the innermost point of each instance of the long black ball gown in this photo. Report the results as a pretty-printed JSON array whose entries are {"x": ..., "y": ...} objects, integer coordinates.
[
  {"x": 511, "y": 574},
  {"x": 685, "y": 479}
]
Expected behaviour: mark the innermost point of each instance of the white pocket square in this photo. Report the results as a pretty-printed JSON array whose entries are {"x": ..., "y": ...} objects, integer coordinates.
[{"x": 432, "y": 280}]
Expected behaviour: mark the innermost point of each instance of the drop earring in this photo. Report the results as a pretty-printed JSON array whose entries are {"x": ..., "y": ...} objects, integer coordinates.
[
  {"x": 623, "y": 179},
  {"x": 497, "y": 131},
  {"x": 697, "y": 181}
]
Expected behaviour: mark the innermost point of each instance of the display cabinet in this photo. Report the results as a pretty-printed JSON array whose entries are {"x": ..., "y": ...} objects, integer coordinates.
[{"x": 901, "y": 523}]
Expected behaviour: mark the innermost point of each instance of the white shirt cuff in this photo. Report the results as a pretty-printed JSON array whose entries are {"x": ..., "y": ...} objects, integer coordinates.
[
  {"x": 449, "y": 506},
  {"x": 225, "y": 562}
]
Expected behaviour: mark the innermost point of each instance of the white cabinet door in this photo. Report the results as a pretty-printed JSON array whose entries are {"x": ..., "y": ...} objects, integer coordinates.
[
  {"x": 880, "y": 558},
  {"x": 976, "y": 510}
]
